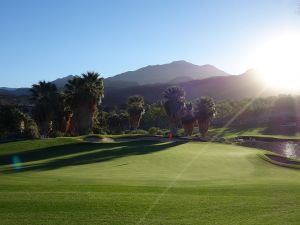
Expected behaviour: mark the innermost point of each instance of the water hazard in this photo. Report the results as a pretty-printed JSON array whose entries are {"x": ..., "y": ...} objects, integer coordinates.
[{"x": 289, "y": 149}]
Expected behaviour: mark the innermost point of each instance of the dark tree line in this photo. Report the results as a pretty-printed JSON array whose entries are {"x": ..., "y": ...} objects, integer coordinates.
[{"x": 77, "y": 110}]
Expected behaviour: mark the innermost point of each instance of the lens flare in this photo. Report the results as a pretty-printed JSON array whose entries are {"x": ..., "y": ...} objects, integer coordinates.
[{"x": 16, "y": 162}]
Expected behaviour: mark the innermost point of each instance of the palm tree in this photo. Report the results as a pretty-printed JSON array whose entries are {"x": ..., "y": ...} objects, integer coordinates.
[
  {"x": 83, "y": 95},
  {"x": 205, "y": 111},
  {"x": 63, "y": 115},
  {"x": 188, "y": 119},
  {"x": 44, "y": 96},
  {"x": 174, "y": 102},
  {"x": 135, "y": 108}
]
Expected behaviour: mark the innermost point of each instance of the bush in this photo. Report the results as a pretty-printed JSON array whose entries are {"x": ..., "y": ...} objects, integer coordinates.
[
  {"x": 160, "y": 132},
  {"x": 180, "y": 132},
  {"x": 4, "y": 135},
  {"x": 103, "y": 130},
  {"x": 153, "y": 130},
  {"x": 57, "y": 134},
  {"x": 15, "y": 124},
  {"x": 156, "y": 131},
  {"x": 143, "y": 132},
  {"x": 31, "y": 130}
]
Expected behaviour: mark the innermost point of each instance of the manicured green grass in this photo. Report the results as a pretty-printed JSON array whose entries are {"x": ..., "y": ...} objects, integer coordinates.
[{"x": 66, "y": 181}]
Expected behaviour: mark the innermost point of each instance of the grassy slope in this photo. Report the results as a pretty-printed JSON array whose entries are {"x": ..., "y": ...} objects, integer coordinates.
[
  {"x": 65, "y": 181},
  {"x": 234, "y": 132}
]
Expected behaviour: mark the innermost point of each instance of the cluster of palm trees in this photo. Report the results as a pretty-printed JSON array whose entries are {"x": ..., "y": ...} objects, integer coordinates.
[
  {"x": 181, "y": 112},
  {"x": 75, "y": 110},
  {"x": 71, "y": 111}
]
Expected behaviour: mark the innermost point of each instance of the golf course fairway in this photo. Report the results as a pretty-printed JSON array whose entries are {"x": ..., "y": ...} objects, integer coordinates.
[{"x": 68, "y": 181}]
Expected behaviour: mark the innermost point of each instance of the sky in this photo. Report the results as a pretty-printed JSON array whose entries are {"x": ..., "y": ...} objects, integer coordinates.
[{"x": 49, "y": 39}]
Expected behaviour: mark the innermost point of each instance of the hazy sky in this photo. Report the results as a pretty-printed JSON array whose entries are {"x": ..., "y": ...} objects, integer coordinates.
[{"x": 47, "y": 39}]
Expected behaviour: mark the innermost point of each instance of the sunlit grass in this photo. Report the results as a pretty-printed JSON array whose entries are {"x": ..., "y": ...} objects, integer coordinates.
[{"x": 67, "y": 181}]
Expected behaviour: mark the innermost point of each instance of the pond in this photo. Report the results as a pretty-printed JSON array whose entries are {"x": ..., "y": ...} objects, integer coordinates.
[{"x": 289, "y": 149}]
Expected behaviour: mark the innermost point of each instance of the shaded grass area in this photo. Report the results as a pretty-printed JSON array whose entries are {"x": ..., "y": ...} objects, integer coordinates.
[
  {"x": 118, "y": 183},
  {"x": 68, "y": 154}
]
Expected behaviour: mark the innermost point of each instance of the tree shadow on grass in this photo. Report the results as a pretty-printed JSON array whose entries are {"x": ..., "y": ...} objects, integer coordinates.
[
  {"x": 79, "y": 154},
  {"x": 236, "y": 131}
]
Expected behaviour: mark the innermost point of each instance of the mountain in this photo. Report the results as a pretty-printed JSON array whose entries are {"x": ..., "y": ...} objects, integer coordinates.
[
  {"x": 7, "y": 89},
  {"x": 174, "y": 73},
  {"x": 246, "y": 85},
  {"x": 60, "y": 82},
  {"x": 119, "y": 84},
  {"x": 167, "y": 73},
  {"x": 218, "y": 84},
  {"x": 14, "y": 91}
]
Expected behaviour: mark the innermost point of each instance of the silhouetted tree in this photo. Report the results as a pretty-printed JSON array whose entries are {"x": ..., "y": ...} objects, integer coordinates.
[
  {"x": 205, "y": 111},
  {"x": 83, "y": 95},
  {"x": 188, "y": 119},
  {"x": 174, "y": 101},
  {"x": 45, "y": 98},
  {"x": 135, "y": 108},
  {"x": 14, "y": 124}
]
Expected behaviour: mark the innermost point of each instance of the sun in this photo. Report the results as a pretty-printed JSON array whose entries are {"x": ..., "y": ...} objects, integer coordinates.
[{"x": 278, "y": 62}]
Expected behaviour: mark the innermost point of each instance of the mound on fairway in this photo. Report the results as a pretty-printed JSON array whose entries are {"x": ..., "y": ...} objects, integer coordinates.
[{"x": 67, "y": 181}]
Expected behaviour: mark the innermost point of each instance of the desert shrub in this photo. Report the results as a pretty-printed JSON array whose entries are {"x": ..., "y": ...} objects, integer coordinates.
[
  {"x": 163, "y": 132},
  {"x": 156, "y": 131},
  {"x": 4, "y": 135},
  {"x": 153, "y": 130},
  {"x": 57, "y": 134},
  {"x": 31, "y": 129},
  {"x": 180, "y": 132},
  {"x": 16, "y": 124},
  {"x": 143, "y": 132},
  {"x": 103, "y": 130}
]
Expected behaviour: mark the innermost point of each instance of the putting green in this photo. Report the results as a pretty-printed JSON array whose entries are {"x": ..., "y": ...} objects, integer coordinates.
[{"x": 66, "y": 181}]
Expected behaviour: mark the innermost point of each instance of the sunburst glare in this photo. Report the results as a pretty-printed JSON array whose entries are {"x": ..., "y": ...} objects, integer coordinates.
[{"x": 277, "y": 60}]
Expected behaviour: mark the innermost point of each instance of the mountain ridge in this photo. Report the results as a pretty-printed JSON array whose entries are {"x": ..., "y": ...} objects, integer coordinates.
[
  {"x": 173, "y": 73},
  {"x": 164, "y": 73},
  {"x": 236, "y": 87}
]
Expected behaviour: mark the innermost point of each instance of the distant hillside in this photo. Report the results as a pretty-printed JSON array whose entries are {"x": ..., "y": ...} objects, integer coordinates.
[
  {"x": 222, "y": 87},
  {"x": 13, "y": 99},
  {"x": 60, "y": 82},
  {"x": 119, "y": 84},
  {"x": 14, "y": 91},
  {"x": 7, "y": 89},
  {"x": 168, "y": 73},
  {"x": 175, "y": 72}
]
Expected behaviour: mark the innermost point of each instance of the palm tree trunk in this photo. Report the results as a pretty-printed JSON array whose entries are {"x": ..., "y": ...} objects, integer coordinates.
[
  {"x": 83, "y": 120},
  {"x": 44, "y": 128},
  {"x": 174, "y": 122},
  {"x": 68, "y": 125},
  {"x": 188, "y": 128},
  {"x": 203, "y": 127},
  {"x": 134, "y": 121}
]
